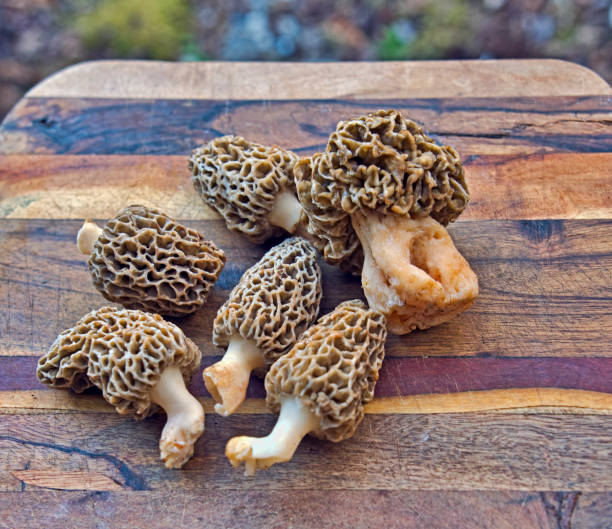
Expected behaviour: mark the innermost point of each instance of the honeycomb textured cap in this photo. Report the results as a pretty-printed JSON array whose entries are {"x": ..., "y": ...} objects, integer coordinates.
[
  {"x": 145, "y": 260},
  {"x": 333, "y": 368},
  {"x": 380, "y": 162},
  {"x": 122, "y": 352},
  {"x": 275, "y": 301},
  {"x": 241, "y": 180},
  {"x": 331, "y": 228}
]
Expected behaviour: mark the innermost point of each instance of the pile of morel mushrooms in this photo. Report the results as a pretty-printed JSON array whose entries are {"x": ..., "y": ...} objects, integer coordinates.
[{"x": 375, "y": 203}]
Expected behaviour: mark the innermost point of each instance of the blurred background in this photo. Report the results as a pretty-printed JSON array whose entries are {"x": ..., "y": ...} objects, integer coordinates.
[{"x": 37, "y": 37}]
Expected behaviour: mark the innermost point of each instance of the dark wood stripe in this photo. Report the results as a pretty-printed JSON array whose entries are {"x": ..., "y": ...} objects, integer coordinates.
[
  {"x": 409, "y": 376},
  {"x": 471, "y": 451},
  {"x": 545, "y": 289},
  {"x": 320, "y": 509},
  {"x": 140, "y": 126}
]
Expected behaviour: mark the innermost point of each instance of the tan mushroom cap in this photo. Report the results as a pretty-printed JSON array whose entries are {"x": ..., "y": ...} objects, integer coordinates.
[
  {"x": 333, "y": 368},
  {"x": 122, "y": 352},
  {"x": 145, "y": 260},
  {"x": 241, "y": 180},
  {"x": 379, "y": 162},
  {"x": 275, "y": 301}
]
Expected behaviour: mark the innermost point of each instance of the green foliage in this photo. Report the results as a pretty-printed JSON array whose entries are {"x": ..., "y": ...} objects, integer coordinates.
[
  {"x": 153, "y": 29},
  {"x": 442, "y": 27},
  {"x": 391, "y": 47}
]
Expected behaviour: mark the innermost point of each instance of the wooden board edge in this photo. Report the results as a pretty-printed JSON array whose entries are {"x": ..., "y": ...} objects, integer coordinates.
[{"x": 323, "y": 80}]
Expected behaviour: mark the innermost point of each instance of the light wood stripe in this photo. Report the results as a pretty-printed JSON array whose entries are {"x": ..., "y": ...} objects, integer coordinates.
[
  {"x": 517, "y": 400},
  {"x": 67, "y": 480},
  {"x": 543, "y": 186},
  {"x": 273, "y": 80}
]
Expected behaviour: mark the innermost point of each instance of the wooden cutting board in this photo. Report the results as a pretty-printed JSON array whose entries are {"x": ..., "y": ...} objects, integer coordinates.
[{"x": 499, "y": 418}]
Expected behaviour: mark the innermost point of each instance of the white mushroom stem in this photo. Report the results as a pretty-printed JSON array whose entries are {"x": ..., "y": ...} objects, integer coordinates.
[
  {"x": 87, "y": 237},
  {"x": 294, "y": 422},
  {"x": 286, "y": 212},
  {"x": 412, "y": 271},
  {"x": 185, "y": 421},
  {"x": 228, "y": 379}
]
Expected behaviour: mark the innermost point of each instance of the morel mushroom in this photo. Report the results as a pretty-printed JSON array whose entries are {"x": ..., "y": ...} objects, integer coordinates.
[
  {"x": 320, "y": 386},
  {"x": 250, "y": 185},
  {"x": 140, "y": 362},
  {"x": 377, "y": 201},
  {"x": 145, "y": 260},
  {"x": 276, "y": 300}
]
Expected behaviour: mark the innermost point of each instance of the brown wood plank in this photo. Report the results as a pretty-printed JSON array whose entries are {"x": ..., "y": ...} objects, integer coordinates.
[
  {"x": 337, "y": 509},
  {"x": 408, "y": 376},
  {"x": 545, "y": 289},
  {"x": 593, "y": 511},
  {"x": 273, "y": 80},
  {"x": 540, "y": 186},
  {"x": 472, "y": 451},
  {"x": 474, "y": 126}
]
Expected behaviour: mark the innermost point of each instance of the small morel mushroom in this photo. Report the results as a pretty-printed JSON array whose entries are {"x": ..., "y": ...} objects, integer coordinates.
[
  {"x": 320, "y": 386},
  {"x": 377, "y": 201},
  {"x": 140, "y": 362},
  {"x": 276, "y": 300},
  {"x": 145, "y": 260},
  {"x": 250, "y": 185}
]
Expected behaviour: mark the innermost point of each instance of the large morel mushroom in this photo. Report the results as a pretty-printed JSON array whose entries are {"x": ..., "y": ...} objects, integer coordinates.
[
  {"x": 250, "y": 185},
  {"x": 141, "y": 363},
  {"x": 145, "y": 260},
  {"x": 377, "y": 201},
  {"x": 320, "y": 386},
  {"x": 276, "y": 300}
]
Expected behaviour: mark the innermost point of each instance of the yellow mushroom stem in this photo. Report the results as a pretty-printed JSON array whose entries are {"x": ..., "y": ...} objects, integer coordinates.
[
  {"x": 294, "y": 422},
  {"x": 87, "y": 237},
  {"x": 228, "y": 379},
  {"x": 412, "y": 271},
  {"x": 286, "y": 212},
  {"x": 185, "y": 421}
]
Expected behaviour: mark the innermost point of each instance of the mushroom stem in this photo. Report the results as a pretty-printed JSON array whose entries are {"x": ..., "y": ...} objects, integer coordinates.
[
  {"x": 286, "y": 212},
  {"x": 227, "y": 380},
  {"x": 87, "y": 237},
  {"x": 185, "y": 418},
  {"x": 412, "y": 271},
  {"x": 294, "y": 422}
]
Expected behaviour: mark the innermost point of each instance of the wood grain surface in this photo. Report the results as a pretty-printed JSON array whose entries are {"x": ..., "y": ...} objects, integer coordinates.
[
  {"x": 500, "y": 418},
  {"x": 333, "y": 509},
  {"x": 277, "y": 80},
  {"x": 474, "y": 126}
]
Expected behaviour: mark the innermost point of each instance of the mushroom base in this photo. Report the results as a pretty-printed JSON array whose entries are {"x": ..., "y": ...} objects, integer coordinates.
[
  {"x": 412, "y": 271},
  {"x": 87, "y": 237},
  {"x": 287, "y": 211},
  {"x": 294, "y": 422},
  {"x": 228, "y": 379},
  {"x": 185, "y": 422}
]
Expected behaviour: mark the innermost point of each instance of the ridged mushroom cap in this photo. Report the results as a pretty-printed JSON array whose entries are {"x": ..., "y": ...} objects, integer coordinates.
[
  {"x": 122, "y": 352},
  {"x": 381, "y": 162},
  {"x": 333, "y": 368},
  {"x": 145, "y": 260},
  {"x": 275, "y": 301},
  {"x": 241, "y": 180}
]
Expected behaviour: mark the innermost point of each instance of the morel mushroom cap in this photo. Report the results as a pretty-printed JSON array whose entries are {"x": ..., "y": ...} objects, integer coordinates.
[
  {"x": 140, "y": 362},
  {"x": 320, "y": 386},
  {"x": 382, "y": 169},
  {"x": 380, "y": 162},
  {"x": 145, "y": 260},
  {"x": 275, "y": 301},
  {"x": 250, "y": 185}
]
